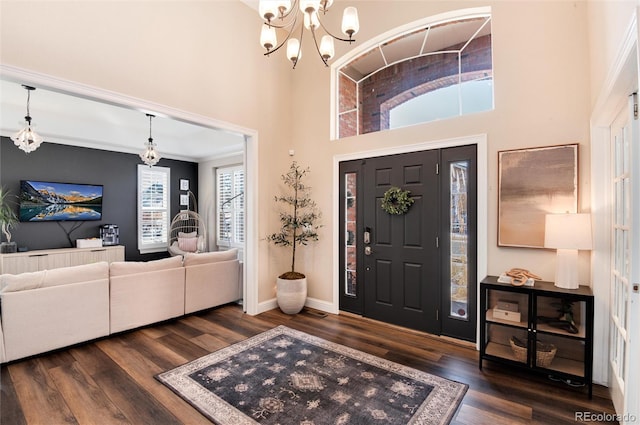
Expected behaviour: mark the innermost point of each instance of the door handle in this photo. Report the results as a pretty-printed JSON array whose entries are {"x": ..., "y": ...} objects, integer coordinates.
[
  {"x": 367, "y": 235},
  {"x": 367, "y": 250}
]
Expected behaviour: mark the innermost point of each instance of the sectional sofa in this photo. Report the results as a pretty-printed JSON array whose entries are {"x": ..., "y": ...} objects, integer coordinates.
[{"x": 51, "y": 309}]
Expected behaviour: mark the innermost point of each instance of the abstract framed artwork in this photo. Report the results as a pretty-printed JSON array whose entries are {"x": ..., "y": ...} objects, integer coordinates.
[{"x": 534, "y": 182}]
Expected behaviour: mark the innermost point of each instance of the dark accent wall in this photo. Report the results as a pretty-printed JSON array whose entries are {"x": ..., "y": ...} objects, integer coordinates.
[{"x": 116, "y": 171}]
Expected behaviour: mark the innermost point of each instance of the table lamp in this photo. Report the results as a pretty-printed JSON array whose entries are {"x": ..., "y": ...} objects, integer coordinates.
[{"x": 567, "y": 233}]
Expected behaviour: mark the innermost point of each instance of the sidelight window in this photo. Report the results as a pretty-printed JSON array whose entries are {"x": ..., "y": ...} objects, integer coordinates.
[{"x": 459, "y": 231}]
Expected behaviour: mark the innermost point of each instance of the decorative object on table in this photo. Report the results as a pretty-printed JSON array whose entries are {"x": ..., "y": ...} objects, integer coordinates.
[
  {"x": 285, "y": 15},
  {"x": 298, "y": 220},
  {"x": 110, "y": 234},
  {"x": 564, "y": 320},
  {"x": 8, "y": 219},
  {"x": 187, "y": 232},
  {"x": 284, "y": 376},
  {"x": 89, "y": 243},
  {"x": 397, "y": 201},
  {"x": 507, "y": 310},
  {"x": 519, "y": 277},
  {"x": 567, "y": 233},
  {"x": 544, "y": 352},
  {"x": 531, "y": 183},
  {"x": 27, "y": 139},
  {"x": 150, "y": 155}
]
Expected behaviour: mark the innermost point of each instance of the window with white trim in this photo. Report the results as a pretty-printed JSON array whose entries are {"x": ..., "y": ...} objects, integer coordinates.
[
  {"x": 153, "y": 208},
  {"x": 230, "y": 206},
  {"x": 436, "y": 68}
]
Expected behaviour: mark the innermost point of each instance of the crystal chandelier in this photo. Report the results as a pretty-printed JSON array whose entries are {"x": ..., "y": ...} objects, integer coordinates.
[
  {"x": 308, "y": 11},
  {"x": 150, "y": 156},
  {"x": 27, "y": 139}
]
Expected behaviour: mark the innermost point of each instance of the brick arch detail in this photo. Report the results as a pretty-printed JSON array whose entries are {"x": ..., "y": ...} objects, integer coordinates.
[
  {"x": 388, "y": 105},
  {"x": 421, "y": 74}
]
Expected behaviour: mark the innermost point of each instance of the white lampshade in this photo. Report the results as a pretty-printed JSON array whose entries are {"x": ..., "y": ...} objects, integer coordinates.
[
  {"x": 311, "y": 20},
  {"x": 327, "y": 49},
  {"x": 350, "y": 22},
  {"x": 567, "y": 231},
  {"x": 309, "y": 5},
  {"x": 293, "y": 50},
  {"x": 268, "y": 9},
  {"x": 268, "y": 37}
]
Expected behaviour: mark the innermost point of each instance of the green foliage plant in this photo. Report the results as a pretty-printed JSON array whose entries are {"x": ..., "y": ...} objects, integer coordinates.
[
  {"x": 298, "y": 217},
  {"x": 8, "y": 218}
]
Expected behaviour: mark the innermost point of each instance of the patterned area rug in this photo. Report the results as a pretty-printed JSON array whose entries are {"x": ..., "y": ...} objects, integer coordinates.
[{"x": 284, "y": 376}]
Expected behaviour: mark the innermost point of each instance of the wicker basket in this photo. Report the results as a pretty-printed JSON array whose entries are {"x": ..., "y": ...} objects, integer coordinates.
[{"x": 544, "y": 352}]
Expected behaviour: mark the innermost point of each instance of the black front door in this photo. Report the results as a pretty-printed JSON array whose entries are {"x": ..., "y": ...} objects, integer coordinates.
[{"x": 404, "y": 269}]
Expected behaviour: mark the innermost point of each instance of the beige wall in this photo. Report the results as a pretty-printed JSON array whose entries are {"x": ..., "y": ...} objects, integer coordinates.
[
  {"x": 203, "y": 57},
  {"x": 608, "y": 22},
  {"x": 541, "y": 73}
]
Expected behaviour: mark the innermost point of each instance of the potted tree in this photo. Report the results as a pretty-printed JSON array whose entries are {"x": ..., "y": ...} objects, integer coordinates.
[
  {"x": 7, "y": 219},
  {"x": 298, "y": 218}
]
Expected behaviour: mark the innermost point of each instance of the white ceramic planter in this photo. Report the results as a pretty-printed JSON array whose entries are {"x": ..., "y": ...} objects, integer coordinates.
[{"x": 291, "y": 294}]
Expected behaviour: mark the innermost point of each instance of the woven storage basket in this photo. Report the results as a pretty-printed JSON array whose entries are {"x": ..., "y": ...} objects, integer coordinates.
[{"x": 544, "y": 353}]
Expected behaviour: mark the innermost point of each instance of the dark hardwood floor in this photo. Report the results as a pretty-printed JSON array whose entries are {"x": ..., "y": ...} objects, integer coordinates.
[{"x": 111, "y": 381}]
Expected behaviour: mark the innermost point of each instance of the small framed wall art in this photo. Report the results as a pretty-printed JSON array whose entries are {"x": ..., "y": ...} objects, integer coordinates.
[
  {"x": 184, "y": 184},
  {"x": 532, "y": 183}
]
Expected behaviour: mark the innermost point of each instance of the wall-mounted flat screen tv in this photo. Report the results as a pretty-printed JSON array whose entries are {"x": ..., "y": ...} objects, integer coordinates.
[{"x": 49, "y": 201}]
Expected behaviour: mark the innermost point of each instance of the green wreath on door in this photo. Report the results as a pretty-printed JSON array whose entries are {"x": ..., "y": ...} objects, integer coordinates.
[{"x": 396, "y": 201}]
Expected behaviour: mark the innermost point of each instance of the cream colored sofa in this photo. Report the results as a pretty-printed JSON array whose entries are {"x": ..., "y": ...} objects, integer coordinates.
[
  {"x": 212, "y": 279},
  {"x": 51, "y": 309},
  {"x": 145, "y": 292}
]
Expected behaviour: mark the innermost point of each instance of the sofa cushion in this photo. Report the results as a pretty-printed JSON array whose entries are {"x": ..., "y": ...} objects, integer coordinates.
[
  {"x": 22, "y": 281},
  {"x": 210, "y": 257},
  {"x": 123, "y": 268},
  {"x": 54, "y": 277},
  {"x": 75, "y": 274},
  {"x": 188, "y": 244}
]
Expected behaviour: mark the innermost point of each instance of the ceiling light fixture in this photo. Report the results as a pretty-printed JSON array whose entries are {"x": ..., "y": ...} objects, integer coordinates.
[
  {"x": 150, "y": 156},
  {"x": 309, "y": 9},
  {"x": 27, "y": 139}
]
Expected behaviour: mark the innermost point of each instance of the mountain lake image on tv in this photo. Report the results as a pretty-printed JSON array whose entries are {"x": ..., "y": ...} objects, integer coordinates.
[{"x": 48, "y": 201}]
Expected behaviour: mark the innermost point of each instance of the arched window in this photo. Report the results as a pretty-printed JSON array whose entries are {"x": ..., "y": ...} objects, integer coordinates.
[{"x": 436, "y": 69}]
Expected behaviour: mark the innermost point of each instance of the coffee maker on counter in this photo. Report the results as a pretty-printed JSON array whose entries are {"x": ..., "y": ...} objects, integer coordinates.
[{"x": 110, "y": 234}]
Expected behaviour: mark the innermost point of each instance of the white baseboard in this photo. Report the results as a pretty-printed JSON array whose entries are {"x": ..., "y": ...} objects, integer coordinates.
[{"x": 314, "y": 303}]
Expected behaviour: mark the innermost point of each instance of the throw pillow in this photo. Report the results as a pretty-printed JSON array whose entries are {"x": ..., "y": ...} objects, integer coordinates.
[{"x": 188, "y": 244}]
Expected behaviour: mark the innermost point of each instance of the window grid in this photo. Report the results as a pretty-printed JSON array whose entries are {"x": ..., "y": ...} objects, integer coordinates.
[
  {"x": 373, "y": 112},
  {"x": 230, "y": 183},
  {"x": 153, "y": 208}
]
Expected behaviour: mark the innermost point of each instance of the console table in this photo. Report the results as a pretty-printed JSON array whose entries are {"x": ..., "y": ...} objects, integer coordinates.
[
  {"x": 46, "y": 259},
  {"x": 528, "y": 309}
]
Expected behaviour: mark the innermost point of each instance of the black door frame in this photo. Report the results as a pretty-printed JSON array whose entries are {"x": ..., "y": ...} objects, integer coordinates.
[{"x": 482, "y": 200}]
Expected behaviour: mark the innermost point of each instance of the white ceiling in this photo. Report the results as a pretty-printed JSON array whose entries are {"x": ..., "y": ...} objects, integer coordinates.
[{"x": 69, "y": 120}]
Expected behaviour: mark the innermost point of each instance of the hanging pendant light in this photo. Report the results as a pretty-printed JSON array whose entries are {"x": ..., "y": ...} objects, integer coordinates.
[
  {"x": 150, "y": 156},
  {"x": 27, "y": 139}
]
